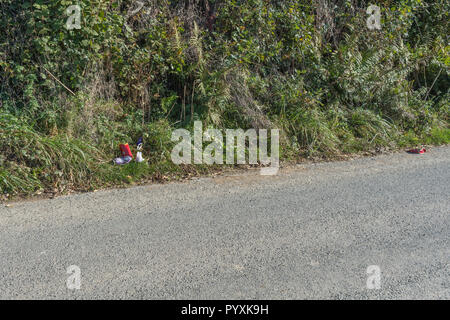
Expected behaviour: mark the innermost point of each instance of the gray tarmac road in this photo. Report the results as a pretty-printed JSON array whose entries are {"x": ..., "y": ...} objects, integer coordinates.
[{"x": 309, "y": 232}]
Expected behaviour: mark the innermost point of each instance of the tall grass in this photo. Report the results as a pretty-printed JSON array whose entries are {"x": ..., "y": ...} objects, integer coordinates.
[{"x": 32, "y": 161}]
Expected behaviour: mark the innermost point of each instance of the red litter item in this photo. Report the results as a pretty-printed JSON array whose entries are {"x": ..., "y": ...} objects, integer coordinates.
[
  {"x": 125, "y": 150},
  {"x": 417, "y": 150}
]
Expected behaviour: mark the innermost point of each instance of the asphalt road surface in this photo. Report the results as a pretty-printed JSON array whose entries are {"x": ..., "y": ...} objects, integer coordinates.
[{"x": 310, "y": 232}]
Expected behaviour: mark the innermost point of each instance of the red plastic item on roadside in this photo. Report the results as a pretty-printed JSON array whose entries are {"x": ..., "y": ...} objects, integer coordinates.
[
  {"x": 417, "y": 151},
  {"x": 125, "y": 150}
]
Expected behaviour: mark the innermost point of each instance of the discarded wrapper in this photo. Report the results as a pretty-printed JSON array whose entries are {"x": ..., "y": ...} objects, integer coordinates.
[
  {"x": 139, "y": 157},
  {"x": 122, "y": 160},
  {"x": 125, "y": 150},
  {"x": 417, "y": 150},
  {"x": 126, "y": 157}
]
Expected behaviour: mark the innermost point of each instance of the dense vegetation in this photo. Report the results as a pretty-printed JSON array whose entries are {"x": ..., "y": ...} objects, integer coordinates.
[{"x": 309, "y": 67}]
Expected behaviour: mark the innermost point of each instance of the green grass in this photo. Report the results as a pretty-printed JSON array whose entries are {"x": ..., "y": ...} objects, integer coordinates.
[
  {"x": 435, "y": 136},
  {"x": 438, "y": 136}
]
